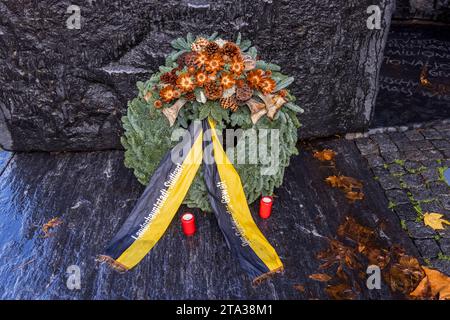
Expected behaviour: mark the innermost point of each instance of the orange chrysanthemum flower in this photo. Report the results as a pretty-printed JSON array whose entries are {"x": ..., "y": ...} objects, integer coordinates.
[
  {"x": 185, "y": 82},
  {"x": 214, "y": 64},
  {"x": 255, "y": 78},
  {"x": 267, "y": 85},
  {"x": 167, "y": 93},
  {"x": 227, "y": 80},
  {"x": 237, "y": 66},
  {"x": 157, "y": 104},
  {"x": 201, "y": 59},
  {"x": 201, "y": 78}
]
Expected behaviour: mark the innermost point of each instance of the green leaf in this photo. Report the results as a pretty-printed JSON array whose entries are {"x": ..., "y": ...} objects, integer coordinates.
[
  {"x": 284, "y": 83},
  {"x": 204, "y": 111},
  {"x": 282, "y": 116},
  {"x": 239, "y": 38},
  {"x": 213, "y": 36},
  {"x": 252, "y": 52},
  {"x": 245, "y": 45},
  {"x": 182, "y": 119},
  {"x": 189, "y": 38},
  {"x": 174, "y": 56},
  {"x": 267, "y": 66},
  {"x": 294, "y": 107},
  {"x": 180, "y": 44},
  {"x": 140, "y": 85},
  {"x": 176, "y": 44},
  {"x": 216, "y": 115},
  {"x": 164, "y": 69},
  {"x": 241, "y": 118}
]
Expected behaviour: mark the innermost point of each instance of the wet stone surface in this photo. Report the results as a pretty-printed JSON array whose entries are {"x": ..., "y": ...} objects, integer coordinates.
[
  {"x": 93, "y": 193},
  {"x": 73, "y": 89},
  {"x": 414, "y": 184},
  {"x": 412, "y": 52}
]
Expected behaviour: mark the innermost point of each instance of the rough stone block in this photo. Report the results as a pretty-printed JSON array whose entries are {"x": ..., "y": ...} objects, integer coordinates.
[
  {"x": 418, "y": 231},
  {"x": 67, "y": 89},
  {"x": 428, "y": 248}
]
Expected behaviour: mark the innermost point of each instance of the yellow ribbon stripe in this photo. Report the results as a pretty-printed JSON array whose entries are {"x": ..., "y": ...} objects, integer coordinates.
[
  {"x": 239, "y": 208},
  {"x": 176, "y": 193}
]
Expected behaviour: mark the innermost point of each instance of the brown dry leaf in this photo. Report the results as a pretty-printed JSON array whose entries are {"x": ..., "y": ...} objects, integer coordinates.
[
  {"x": 377, "y": 256},
  {"x": 323, "y": 277},
  {"x": 299, "y": 287},
  {"x": 434, "y": 284},
  {"x": 366, "y": 239},
  {"x": 333, "y": 181},
  {"x": 351, "y": 186},
  {"x": 338, "y": 253},
  {"x": 435, "y": 220},
  {"x": 340, "y": 291},
  {"x": 341, "y": 274},
  {"x": 344, "y": 182},
  {"x": 424, "y": 78},
  {"x": 352, "y": 196},
  {"x": 325, "y": 155},
  {"x": 356, "y": 232},
  {"x": 405, "y": 275},
  {"x": 54, "y": 222}
]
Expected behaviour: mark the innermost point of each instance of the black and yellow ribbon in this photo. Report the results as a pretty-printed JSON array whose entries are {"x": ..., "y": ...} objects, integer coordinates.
[{"x": 165, "y": 192}]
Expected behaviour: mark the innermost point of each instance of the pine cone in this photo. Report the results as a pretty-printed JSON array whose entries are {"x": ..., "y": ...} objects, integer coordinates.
[
  {"x": 181, "y": 61},
  {"x": 199, "y": 44},
  {"x": 189, "y": 59},
  {"x": 244, "y": 92},
  {"x": 213, "y": 91},
  {"x": 212, "y": 48},
  {"x": 229, "y": 103},
  {"x": 169, "y": 78},
  {"x": 190, "y": 96},
  {"x": 230, "y": 49}
]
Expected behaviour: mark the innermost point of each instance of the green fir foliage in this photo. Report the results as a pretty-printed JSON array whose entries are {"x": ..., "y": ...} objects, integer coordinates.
[{"x": 147, "y": 136}]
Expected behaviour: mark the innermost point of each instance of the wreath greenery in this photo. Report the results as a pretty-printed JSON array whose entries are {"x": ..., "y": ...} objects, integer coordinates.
[{"x": 148, "y": 130}]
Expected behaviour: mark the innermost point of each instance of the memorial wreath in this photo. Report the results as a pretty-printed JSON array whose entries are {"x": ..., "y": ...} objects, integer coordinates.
[{"x": 208, "y": 77}]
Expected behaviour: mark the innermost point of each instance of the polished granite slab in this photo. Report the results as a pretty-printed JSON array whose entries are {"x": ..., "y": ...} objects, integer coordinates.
[{"x": 93, "y": 193}]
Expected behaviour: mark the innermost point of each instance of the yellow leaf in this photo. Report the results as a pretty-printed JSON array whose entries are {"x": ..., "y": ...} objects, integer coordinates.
[
  {"x": 434, "y": 284},
  {"x": 325, "y": 155},
  {"x": 434, "y": 220},
  {"x": 50, "y": 225}
]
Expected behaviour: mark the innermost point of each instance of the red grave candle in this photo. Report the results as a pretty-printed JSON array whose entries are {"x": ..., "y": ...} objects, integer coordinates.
[
  {"x": 265, "y": 207},
  {"x": 188, "y": 223}
]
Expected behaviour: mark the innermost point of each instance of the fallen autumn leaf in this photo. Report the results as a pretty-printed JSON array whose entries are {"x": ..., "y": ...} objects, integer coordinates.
[
  {"x": 435, "y": 220},
  {"x": 325, "y": 155},
  {"x": 323, "y": 277}
]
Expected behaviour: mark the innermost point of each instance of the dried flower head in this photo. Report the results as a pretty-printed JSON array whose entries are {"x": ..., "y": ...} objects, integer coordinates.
[
  {"x": 201, "y": 78},
  {"x": 201, "y": 59},
  {"x": 237, "y": 66},
  {"x": 158, "y": 104},
  {"x": 167, "y": 93},
  {"x": 267, "y": 85},
  {"x": 185, "y": 82},
  {"x": 227, "y": 80},
  {"x": 214, "y": 64},
  {"x": 255, "y": 77}
]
